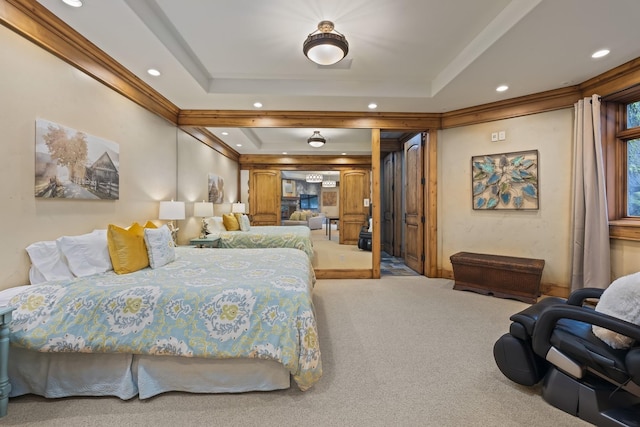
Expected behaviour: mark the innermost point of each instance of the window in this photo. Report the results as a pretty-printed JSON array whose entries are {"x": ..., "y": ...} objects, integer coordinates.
[
  {"x": 629, "y": 135},
  {"x": 621, "y": 147},
  {"x": 633, "y": 177},
  {"x": 633, "y": 115}
]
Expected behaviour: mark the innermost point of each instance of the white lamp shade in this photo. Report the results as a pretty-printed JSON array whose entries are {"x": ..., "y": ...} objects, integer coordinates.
[
  {"x": 171, "y": 210},
  {"x": 237, "y": 208},
  {"x": 203, "y": 209}
]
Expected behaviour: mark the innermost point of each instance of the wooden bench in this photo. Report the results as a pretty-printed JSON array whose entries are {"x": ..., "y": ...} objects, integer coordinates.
[{"x": 498, "y": 275}]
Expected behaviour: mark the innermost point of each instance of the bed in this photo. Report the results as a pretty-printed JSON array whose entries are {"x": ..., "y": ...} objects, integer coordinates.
[
  {"x": 268, "y": 236},
  {"x": 213, "y": 320}
]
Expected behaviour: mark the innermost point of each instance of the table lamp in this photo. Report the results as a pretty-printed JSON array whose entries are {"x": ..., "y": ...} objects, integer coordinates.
[
  {"x": 172, "y": 211},
  {"x": 203, "y": 209},
  {"x": 237, "y": 207}
]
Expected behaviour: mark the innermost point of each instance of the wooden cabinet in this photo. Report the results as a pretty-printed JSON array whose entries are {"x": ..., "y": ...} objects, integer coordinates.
[
  {"x": 354, "y": 189},
  {"x": 265, "y": 191}
]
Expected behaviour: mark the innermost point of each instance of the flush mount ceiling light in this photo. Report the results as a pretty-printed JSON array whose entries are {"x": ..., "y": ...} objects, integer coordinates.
[
  {"x": 325, "y": 46},
  {"x": 314, "y": 178},
  {"x": 316, "y": 140}
]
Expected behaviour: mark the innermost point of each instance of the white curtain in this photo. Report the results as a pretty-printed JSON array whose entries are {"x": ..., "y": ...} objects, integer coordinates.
[{"x": 591, "y": 263}]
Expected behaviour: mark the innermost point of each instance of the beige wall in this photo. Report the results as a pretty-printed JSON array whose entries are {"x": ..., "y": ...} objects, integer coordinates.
[
  {"x": 35, "y": 84},
  {"x": 543, "y": 233},
  {"x": 195, "y": 162}
]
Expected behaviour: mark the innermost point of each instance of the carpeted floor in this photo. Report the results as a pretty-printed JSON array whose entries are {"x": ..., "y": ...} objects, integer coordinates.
[{"x": 398, "y": 351}]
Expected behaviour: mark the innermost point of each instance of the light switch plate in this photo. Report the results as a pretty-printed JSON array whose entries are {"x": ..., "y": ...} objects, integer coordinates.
[
  {"x": 494, "y": 136},
  {"x": 502, "y": 135}
]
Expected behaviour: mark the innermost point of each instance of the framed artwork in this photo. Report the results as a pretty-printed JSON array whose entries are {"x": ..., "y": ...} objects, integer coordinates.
[
  {"x": 71, "y": 164},
  {"x": 505, "y": 181},
  {"x": 288, "y": 188},
  {"x": 216, "y": 188},
  {"x": 329, "y": 198}
]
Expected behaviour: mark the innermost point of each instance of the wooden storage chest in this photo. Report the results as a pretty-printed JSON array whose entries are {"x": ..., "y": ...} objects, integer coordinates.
[{"x": 498, "y": 275}]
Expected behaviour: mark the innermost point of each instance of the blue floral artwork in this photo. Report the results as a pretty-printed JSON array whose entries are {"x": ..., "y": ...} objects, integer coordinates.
[{"x": 505, "y": 181}]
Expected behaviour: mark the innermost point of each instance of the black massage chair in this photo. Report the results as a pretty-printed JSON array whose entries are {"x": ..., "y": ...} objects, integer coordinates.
[{"x": 552, "y": 341}]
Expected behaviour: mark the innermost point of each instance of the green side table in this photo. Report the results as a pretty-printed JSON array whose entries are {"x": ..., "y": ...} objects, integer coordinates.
[
  {"x": 5, "y": 386},
  {"x": 205, "y": 243}
]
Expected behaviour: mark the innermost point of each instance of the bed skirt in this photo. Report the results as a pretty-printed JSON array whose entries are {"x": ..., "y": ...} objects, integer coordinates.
[{"x": 55, "y": 375}]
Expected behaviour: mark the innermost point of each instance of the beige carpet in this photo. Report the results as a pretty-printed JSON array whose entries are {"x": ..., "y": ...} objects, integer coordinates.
[
  {"x": 329, "y": 254},
  {"x": 399, "y": 351}
]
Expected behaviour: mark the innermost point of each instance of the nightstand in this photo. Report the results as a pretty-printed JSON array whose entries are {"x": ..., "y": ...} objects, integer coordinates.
[
  {"x": 205, "y": 243},
  {"x": 5, "y": 386}
]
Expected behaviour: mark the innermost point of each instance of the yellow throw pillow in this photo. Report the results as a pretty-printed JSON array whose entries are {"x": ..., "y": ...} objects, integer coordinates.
[
  {"x": 230, "y": 222},
  {"x": 127, "y": 249},
  {"x": 295, "y": 216},
  {"x": 150, "y": 224}
]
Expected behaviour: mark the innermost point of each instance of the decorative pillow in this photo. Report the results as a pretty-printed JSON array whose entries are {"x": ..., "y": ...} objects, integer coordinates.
[
  {"x": 230, "y": 222},
  {"x": 215, "y": 224},
  {"x": 149, "y": 224},
  {"x": 160, "y": 247},
  {"x": 295, "y": 216},
  {"x": 127, "y": 249},
  {"x": 622, "y": 300},
  {"x": 86, "y": 254},
  {"x": 245, "y": 224},
  {"x": 47, "y": 263}
]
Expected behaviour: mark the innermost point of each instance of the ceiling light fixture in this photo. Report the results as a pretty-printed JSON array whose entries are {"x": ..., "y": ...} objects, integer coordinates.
[
  {"x": 316, "y": 140},
  {"x": 73, "y": 3},
  {"x": 328, "y": 184},
  {"x": 314, "y": 178},
  {"x": 373, "y": 106},
  {"x": 257, "y": 104},
  {"x": 153, "y": 72},
  {"x": 502, "y": 88},
  {"x": 325, "y": 46},
  {"x": 600, "y": 53}
]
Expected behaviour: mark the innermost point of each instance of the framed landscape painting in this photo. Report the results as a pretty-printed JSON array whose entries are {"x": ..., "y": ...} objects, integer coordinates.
[
  {"x": 71, "y": 164},
  {"x": 505, "y": 181}
]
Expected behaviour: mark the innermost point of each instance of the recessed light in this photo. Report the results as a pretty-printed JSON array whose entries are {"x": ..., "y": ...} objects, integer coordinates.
[
  {"x": 284, "y": 152},
  {"x": 238, "y": 145},
  {"x": 257, "y": 104},
  {"x": 225, "y": 133},
  {"x": 73, "y": 3},
  {"x": 373, "y": 106},
  {"x": 153, "y": 72},
  {"x": 344, "y": 154},
  {"x": 502, "y": 88},
  {"x": 600, "y": 53}
]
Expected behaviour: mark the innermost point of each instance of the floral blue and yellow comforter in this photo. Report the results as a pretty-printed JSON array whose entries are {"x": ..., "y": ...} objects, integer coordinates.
[
  {"x": 209, "y": 303},
  {"x": 266, "y": 236}
]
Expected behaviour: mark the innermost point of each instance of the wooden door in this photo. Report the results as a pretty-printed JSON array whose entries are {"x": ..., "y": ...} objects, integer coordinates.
[
  {"x": 264, "y": 197},
  {"x": 354, "y": 189},
  {"x": 388, "y": 206},
  {"x": 414, "y": 213}
]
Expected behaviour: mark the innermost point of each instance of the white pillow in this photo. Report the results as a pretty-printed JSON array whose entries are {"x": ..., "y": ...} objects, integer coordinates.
[
  {"x": 159, "y": 246},
  {"x": 86, "y": 254},
  {"x": 214, "y": 224},
  {"x": 622, "y": 300},
  {"x": 245, "y": 224},
  {"x": 47, "y": 263}
]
